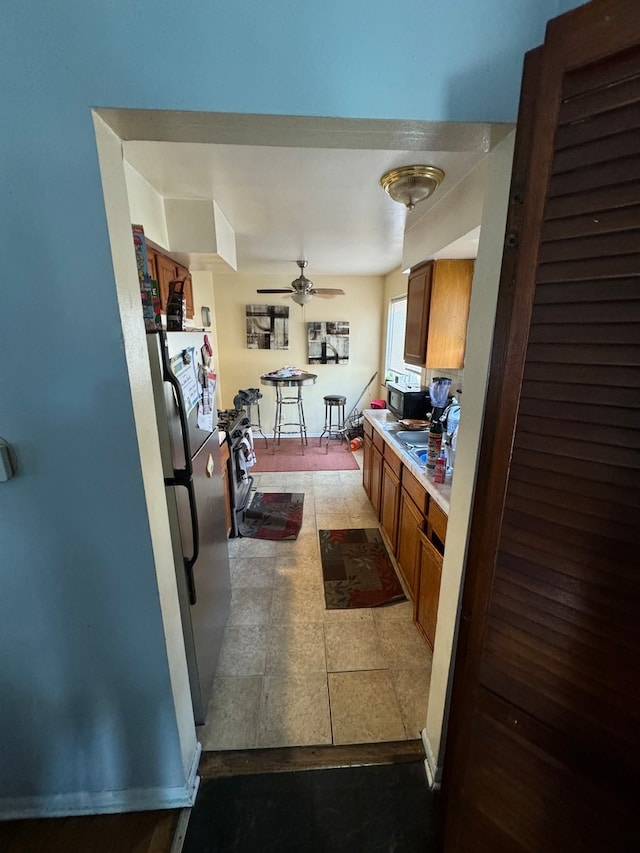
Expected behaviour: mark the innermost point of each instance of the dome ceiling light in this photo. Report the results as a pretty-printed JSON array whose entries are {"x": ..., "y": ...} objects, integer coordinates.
[{"x": 410, "y": 184}]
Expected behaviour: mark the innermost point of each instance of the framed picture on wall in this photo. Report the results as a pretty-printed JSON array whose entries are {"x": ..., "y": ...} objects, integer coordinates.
[
  {"x": 328, "y": 342},
  {"x": 267, "y": 327}
]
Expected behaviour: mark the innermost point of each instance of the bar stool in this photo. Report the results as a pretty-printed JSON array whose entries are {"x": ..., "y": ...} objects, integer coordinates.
[{"x": 334, "y": 403}]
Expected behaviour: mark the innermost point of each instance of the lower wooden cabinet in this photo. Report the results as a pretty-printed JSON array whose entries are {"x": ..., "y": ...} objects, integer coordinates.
[
  {"x": 413, "y": 523},
  {"x": 376, "y": 479},
  {"x": 425, "y": 606},
  {"x": 410, "y": 524},
  {"x": 367, "y": 445},
  {"x": 389, "y": 502}
]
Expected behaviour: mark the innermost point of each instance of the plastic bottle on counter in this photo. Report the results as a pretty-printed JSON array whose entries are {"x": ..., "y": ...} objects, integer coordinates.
[
  {"x": 434, "y": 445},
  {"x": 441, "y": 467}
]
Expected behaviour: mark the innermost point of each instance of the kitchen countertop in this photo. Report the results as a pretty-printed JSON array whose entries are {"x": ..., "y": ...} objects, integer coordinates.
[{"x": 386, "y": 424}]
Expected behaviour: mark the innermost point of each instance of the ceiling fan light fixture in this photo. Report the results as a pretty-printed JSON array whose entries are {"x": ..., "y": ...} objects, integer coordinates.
[
  {"x": 301, "y": 298},
  {"x": 410, "y": 184}
]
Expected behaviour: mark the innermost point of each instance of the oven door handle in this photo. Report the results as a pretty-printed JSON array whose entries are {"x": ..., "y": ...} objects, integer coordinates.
[{"x": 189, "y": 562}]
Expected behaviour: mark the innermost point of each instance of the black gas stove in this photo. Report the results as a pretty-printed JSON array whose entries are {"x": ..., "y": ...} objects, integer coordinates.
[
  {"x": 233, "y": 421},
  {"x": 236, "y": 424}
]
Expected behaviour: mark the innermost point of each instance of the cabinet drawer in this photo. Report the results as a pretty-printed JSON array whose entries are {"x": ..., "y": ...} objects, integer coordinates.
[
  {"x": 416, "y": 492},
  {"x": 438, "y": 521},
  {"x": 378, "y": 441},
  {"x": 392, "y": 459}
]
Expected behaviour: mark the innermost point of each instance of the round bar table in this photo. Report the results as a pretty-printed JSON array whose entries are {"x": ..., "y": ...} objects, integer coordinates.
[{"x": 294, "y": 399}]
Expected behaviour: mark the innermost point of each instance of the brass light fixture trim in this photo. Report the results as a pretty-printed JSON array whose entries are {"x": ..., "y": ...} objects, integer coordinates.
[{"x": 410, "y": 184}]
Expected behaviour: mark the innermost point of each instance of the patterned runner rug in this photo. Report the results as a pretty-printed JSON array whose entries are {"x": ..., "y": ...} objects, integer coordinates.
[{"x": 357, "y": 570}]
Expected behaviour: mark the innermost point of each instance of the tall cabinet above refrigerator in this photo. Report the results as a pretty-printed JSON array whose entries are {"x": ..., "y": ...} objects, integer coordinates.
[{"x": 185, "y": 404}]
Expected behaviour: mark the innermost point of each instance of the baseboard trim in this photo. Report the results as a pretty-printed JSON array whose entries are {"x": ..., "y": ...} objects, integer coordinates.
[
  {"x": 104, "y": 802},
  {"x": 430, "y": 764}
]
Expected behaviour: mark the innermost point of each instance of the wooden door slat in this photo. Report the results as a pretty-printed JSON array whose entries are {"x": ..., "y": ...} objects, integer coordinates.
[
  {"x": 599, "y": 75},
  {"x": 593, "y": 354},
  {"x": 593, "y": 200},
  {"x": 616, "y": 95},
  {"x": 582, "y": 651},
  {"x": 609, "y": 517},
  {"x": 593, "y": 414},
  {"x": 593, "y": 268},
  {"x": 625, "y": 144},
  {"x": 590, "y": 224},
  {"x": 612, "y": 172},
  {"x": 604, "y": 126},
  {"x": 565, "y": 313},
  {"x": 550, "y": 572},
  {"x": 547, "y": 511},
  {"x": 553, "y": 391},
  {"x": 587, "y": 452},
  {"x": 592, "y": 376},
  {"x": 596, "y": 246},
  {"x": 610, "y": 333}
]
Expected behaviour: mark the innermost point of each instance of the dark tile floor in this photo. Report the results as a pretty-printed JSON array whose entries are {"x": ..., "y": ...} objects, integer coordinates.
[{"x": 378, "y": 809}]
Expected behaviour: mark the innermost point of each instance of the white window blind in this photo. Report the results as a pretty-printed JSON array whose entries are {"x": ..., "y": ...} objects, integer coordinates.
[{"x": 396, "y": 323}]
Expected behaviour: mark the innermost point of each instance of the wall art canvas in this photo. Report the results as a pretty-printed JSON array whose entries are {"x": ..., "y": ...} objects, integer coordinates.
[
  {"x": 267, "y": 326},
  {"x": 328, "y": 342}
]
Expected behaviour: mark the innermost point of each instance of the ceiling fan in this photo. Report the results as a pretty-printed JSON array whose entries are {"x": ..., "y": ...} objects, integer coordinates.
[{"x": 303, "y": 289}]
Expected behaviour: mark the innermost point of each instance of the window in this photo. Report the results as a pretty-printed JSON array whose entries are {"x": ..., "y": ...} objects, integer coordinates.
[{"x": 396, "y": 323}]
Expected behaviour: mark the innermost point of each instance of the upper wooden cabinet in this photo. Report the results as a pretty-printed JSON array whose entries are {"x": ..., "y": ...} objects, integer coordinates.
[
  {"x": 438, "y": 297},
  {"x": 164, "y": 270}
]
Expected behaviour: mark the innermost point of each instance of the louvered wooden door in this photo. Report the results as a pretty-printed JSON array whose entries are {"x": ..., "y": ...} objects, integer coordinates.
[{"x": 544, "y": 731}]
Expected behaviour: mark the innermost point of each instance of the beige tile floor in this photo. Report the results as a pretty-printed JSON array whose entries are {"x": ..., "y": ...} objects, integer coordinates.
[{"x": 292, "y": 673}]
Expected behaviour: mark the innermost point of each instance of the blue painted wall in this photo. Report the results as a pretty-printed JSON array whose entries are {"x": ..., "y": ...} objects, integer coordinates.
[{"x": 84, "y": 687}]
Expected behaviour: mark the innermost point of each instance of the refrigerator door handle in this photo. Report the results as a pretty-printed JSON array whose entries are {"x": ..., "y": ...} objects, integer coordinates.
[
  {"x": 168, "y": 376},
  {"x": 189, "y": 562}
]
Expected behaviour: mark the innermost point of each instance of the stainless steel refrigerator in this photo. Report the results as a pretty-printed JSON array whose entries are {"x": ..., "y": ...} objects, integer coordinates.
[{"x": 184, "y": 393}]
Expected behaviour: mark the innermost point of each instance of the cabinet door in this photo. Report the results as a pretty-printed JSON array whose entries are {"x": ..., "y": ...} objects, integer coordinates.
[
  {"x": 410, "y": 524},
  {"x": 376, "y": 479},
  {"x": 425, "y": 608},
  {"x": 418, "y": 301},
  {"x": 183, "y": 272},
  {"x": 166, "y": 270},
  {"x": 367, "y": 447},
  {"x": 151, "y": 263},
  {"x": 389, "y": 501},
  {"x": 448, "y": 313}
]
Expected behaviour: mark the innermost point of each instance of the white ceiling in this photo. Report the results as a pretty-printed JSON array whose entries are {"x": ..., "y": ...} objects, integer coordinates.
[{"x": 321, "y": 203}]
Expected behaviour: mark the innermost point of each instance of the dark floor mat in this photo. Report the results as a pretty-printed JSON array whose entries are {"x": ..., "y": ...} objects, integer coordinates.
[{"x": 377, "y": 809}]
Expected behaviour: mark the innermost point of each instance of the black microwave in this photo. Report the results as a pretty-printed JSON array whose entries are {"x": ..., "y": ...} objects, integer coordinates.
[{"x": 408, "y": 402}]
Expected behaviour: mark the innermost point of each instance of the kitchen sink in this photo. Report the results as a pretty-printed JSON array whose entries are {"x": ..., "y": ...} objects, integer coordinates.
[{"x": 413, "y": 438}]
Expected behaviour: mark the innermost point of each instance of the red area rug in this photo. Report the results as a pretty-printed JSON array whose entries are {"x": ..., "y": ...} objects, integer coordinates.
[
  {"x": 288, "y": 456},
  {"x": 273, "y": 515},
  {"x": 356, "y": 569}
]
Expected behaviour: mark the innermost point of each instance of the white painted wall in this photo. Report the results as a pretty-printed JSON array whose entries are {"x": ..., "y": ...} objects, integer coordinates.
[
  {"x": 240, "y": 367},
  {"x": 455, "y": 214},
  {"x": 476, "y": 372},
  {"x": 146, "y": 206}
]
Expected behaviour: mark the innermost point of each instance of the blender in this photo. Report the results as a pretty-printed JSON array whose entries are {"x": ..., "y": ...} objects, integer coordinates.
[{"x": 439, "y": 394}]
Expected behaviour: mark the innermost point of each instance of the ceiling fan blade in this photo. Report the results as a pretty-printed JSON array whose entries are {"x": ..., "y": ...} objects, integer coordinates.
[
  {"x": 327, "y": 291},
  {"x": 275, "y": 290}
]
